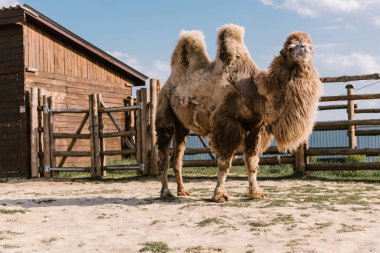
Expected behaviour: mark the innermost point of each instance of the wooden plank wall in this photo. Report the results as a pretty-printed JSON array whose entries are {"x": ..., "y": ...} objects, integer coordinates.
[
  {"x": 70, "y": 76},
  {"x": 14, "y": 160}
]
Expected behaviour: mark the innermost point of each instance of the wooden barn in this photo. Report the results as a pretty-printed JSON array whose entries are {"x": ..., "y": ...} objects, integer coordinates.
[{"x": 37, "y": 52}]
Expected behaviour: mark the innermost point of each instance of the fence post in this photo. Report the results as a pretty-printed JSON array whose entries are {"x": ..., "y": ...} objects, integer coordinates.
[
  {"x": 145, "y": 143},
  {"x": 34, "y": 136},
  {"x": 152, "y": 128},
  {"x": 47, "y": 163},
  {"x": 101, "y": 140},
  {"x": 138, "y": 129},
  {"x": 351, "y": 116},
  {"x": 96, "y": 135},
  {"x": 91, "y": 127},
  {"x": 299, "y": 161},
  {"x": 51, "y": 133}
]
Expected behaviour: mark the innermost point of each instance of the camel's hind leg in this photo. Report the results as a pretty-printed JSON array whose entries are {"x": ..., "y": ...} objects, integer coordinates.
[
  {"x": 179, "y": 149},
  {"x": 164, "y": 137}
]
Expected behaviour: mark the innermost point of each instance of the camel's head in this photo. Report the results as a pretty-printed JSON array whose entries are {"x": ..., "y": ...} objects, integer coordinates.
[{"x": 298, "y": 48}]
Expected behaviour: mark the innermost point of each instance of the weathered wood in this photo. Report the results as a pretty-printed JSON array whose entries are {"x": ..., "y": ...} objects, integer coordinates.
[
  {"x": 118, "y": 134},
  {"x": 116, "y": 124},
  {"x": 352, "y": 97},
  {"x": 145, "y": 143},
  {"x": 41, "y": 92},
  {"x": 117, "y": 152},
  {"x": 125, "y": 167},
  {"x": 73, "y": 153},
  {"x": 138, "y": 130},
  {"x": 58, "y": 111},
  {"x": 73, "y": 141},
  {"x": 352, "y": 142},
  {"x": 373, "y": 110},
  {"x": 71, "y": 135},
  {"x": 95, "y": 133},
  {"x": 51, "y": 102},
  {"x": 299, "y": 160},
  {"x": 240, "y": 162},
  {"x": 92, "y": 139},
  {"x": 153, "y": 139},
  {"x": 367, "y": 132},
  {"x": 47, "y": 161},
  {"x": 339, "y": 79},
  {"x": 121, "y": 109},
  {"x": 346, "y": 123},
  {"x": 102, "y": 143},
  {"x": 343, "y": 166},
  {"x": 331, "y": 107},
  {"x": 34, "y": 135},
  {"x": 342, "y": 151}
]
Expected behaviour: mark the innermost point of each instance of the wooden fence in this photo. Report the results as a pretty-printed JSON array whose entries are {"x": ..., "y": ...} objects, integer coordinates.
[{"x": 137, "y": 138}]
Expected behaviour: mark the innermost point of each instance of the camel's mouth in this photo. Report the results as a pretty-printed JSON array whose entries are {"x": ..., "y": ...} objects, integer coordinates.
[{"x": 301, "y": 52}]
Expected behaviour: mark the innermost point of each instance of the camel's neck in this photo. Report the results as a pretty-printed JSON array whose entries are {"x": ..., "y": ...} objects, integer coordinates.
[{"x": 295, "y": 105}]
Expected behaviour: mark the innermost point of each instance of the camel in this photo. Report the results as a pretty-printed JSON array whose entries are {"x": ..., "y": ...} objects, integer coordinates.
[{"x": 234, "y": 103}]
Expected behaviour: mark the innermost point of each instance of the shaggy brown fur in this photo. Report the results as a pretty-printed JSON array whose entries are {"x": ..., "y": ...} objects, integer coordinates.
[
  {"x": 293, "y": 88},
  {"x": 219, "y": 99}
]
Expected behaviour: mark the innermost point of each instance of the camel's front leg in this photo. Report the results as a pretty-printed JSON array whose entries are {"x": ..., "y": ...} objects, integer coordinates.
[
  {"x": 252, "y": 165},
  {"x": 224, "y": 164}
]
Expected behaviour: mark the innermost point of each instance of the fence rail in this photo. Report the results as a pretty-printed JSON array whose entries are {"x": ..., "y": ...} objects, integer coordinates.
[{"x": 139, "y": 138}]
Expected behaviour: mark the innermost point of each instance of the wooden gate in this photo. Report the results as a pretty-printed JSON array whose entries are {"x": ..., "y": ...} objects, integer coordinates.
[{"x": 47, "y": 160}]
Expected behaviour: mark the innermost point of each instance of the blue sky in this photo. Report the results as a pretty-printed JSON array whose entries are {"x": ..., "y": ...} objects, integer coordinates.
[{"x": 143, "y": 33}]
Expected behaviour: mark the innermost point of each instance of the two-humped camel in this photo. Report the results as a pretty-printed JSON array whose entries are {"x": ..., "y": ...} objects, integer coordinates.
[{"x": 239, "y": 107}]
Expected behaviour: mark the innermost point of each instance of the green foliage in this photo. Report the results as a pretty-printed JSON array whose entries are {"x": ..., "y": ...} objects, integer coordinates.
[
  {"x": 155, "y": 247},
  {"x": 355, "y": 158}
]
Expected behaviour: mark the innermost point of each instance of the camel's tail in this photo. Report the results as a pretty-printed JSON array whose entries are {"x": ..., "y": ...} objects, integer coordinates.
[
  {"x": 231, "y": 44},
  {"x": 190, "y": 53}
]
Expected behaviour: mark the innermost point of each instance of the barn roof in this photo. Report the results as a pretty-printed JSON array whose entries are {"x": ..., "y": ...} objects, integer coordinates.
[{"x": 26, "y": 14}]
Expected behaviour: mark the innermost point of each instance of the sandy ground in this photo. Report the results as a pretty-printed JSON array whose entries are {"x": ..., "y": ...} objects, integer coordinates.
[{"x": 301, "y": 216}]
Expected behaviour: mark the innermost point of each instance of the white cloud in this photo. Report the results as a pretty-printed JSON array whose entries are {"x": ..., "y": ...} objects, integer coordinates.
[
  {"x": 7, "y": 3},
  {"x": 314, "y": 8},
  {"x": 127, "y": 59},
  {"x": 376, "y": 21},
  {"x": 350, "y": 64},
  {"x": 157, "y": 69},
  {"x": 160, "y": 70}
]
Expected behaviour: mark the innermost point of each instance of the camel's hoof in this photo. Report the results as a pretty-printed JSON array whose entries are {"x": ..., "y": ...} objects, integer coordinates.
[
  {"x": 220, "y": 197},
  {"x": 183, "y": 193},
  {"x": 258, "y": 195},
  {"x": 166, "y": 194}
]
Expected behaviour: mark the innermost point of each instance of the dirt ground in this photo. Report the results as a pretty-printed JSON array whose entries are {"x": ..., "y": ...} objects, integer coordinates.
[{"x": 127, "y": 216}]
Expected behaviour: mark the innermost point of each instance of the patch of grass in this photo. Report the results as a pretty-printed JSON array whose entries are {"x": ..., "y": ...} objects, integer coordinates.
[
  {"x": 49, "y": 240},
  {"x": 9, "y": 246},
  {"x": 209, "y": 221},
  {"x": 349, "y": 228},
  {"x": 284, "y": 219},
  {"x": 11, "y": 211},
  {"x": 154, "y": 222},
  {"x": 322, "y": 225},
  {"x": 200, "y": 249},
  {"x": 258, "y": 224},
  {"x": 155, "y": 247},
  {"x": 276, "y": 203}
]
